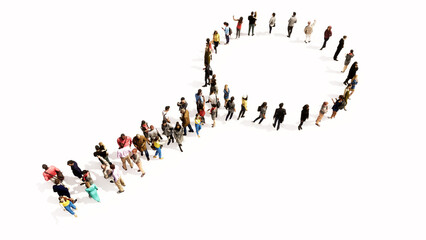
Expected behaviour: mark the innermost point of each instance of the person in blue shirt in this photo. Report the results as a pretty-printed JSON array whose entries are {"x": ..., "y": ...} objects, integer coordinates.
[{"x": 226, "y": 29}]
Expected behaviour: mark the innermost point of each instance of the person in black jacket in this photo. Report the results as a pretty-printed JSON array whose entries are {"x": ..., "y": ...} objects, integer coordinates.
[
  {"x": 252, "y": 23},
  {"x": 304, "y": 115},
  {"x": 75, "y": 169},
  {"x": 352, "y": 72},
  {"x": 60, "y": 189},
  {"x": 339, "y": 47},
  {"x": 279, "y": 116}
]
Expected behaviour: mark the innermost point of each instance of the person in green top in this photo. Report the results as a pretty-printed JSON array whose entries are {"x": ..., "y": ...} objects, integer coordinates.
[{"x": 92, "y": 190}]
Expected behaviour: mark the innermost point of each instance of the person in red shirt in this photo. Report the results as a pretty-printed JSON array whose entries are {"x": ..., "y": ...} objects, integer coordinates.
[
  {"x": 327, "y": 35},
  {"x": 124, "y": 142},
  {"x": 52, "y": 173}
]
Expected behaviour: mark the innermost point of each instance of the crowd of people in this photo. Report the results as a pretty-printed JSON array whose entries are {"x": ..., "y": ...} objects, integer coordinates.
[{"x": 131, "y": 150}]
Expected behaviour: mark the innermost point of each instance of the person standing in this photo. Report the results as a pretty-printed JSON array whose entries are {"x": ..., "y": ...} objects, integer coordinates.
[
  {"x": 61, "y": 190},
  {"x": 213, "y": 84},
  {"x": 272, "y": 22},
  {"x": 213, "y": 113},
  {"x": 92, "y": 190},
  {"x": 157, "y": 145},
  {"x": 86, "y": 177},
  {"x": 279, "y": 116},
  {"x": 216, "y": 41},
  {"x": 304, "y": 115},
  {"x": 348, "y": 59},
  {"x": 116, "y": 175},
  {"x": 339, "y": 47},
  {"x": 101, "y": 151},
  {"x": 197, "y": 124},
  {"x": 207, "y": 68},
  {"x": 231, "y": 109},
  {"x": 262, "y": 115},
  {"x": 76, "y": 171},
  {"x": 124, "y": 142},
  {"x": 106, "y": 168},
  {"x": 239, "y": 24},
  {"x": 51, "y": 173},
  {"x": 227, "y": 32},
  {"x": 252, "y": 22},
  {"x": 67, "y": 205},
  {"x": 144, "y": 128},
  {"x": 327, "y": 35},
  {"x": 182, "y": 104},
  {"x": 226, "y": 92},
  {"x": 337, "y": 105},
  {"x": 185, "y": 121},
  {"x": 136, "y": 158},
  {"x": 291, "y": 23},
  {"x": 308, "y": 31},
  {"x": 323, "y": 110},
  {"x": 352, "y": 72},
  {"x": 243, "y": 107},
  {"x": 353, "y": 84},
  {"x": 167, "y": 130},
  {"x": 178, "y": 134},
  {"x": 140, "y": 142},
  {"x": 164, "y": 113}
]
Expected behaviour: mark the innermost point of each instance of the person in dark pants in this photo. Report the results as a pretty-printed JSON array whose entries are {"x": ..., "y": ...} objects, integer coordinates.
[
  {"x": 207, "y": 69},
  {"x": 304, "y": 115},
  {"x": 231, "y": 109},
  {"x": 339, "y": 47},
  {"x": 352, "y": 72},
  {"x": 252, "y": 22},
  {"x": 262, "y": 115},
  {"x": 327, "y": 35},
  {"x": 279, "y": 116},
  {"x": 243, "y": 107},
  {"x": 75, "y": 169},
  {"x": 60, "y": 189},
  {"x": 291, "y": 23}
]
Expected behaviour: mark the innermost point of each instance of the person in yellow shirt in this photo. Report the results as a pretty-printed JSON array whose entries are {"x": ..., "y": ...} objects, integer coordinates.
[
  {"x": 243, "y": 107},
  {"x": 197, "y": 124},
  {"x": 157, "y": 146},
  {"x": 67, "y": 205},
  {"x": 216, "y": 40}
]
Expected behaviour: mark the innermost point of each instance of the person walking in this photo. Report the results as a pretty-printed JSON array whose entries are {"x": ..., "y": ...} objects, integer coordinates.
[
  {"x": 167, "y": 130},
  {"x": 197, "y": 124},
  {"x": 231, "y": 109},
  {"x": 243, "y": 107},
  {"x": 239, "y": 24},
  {"x": 352, "y": 72},
  {"x": 178, "y": 134},
  {"x": 140, "y": 142},
  {"x": 227, "y": 31},
  {"x": 106, "y": 168},
  {"x": 76, "y": 171},
  {"x": 51, "y": 173},
  {"x": 92, "y": 190},
  {"x": 153, "y": 133},
  {"x": 327, "y": 35},
  {"x": 279, "y": 116},
  {"x": 118, "y": 180},
  {"x": 216, "y": 41},
  {"x": 86, "y": 177},
  {"x": 353, "y": 84},
  {"x": 136, "y": 158},
  {"x": 158, "y": 147},
  {"x": 337, "y": 105},
  {"x": 213, "y": 113},
  {"x": 323, "y": 110},
  {"x": 308, "y": 31},
  {"x": 185, "y": 121},
  {"x": 101, "y": 151},
  {"x": 348, "y": 59},
  {"x": 164, "y": 113},
  {"x": 144, "y": 128},
  {"x": 252, "y": 22},
  {"x": 339, "y": 47},
  {"x": 262, "y": 112},
  {"x": 213, "y": 85},
  {"x": 207, "y": 68},
  {"x": 67, "y": 205},
  {"x": 291, "y": 23},
  {"x": 124, "y": 142},
  {"x": 304, "y": 115},
  {"x": 182, "y": 104},
  {"x": 226, "y": 92},
  {"x": 272, "y": 22},
  {"x": 61, "y": 190}
]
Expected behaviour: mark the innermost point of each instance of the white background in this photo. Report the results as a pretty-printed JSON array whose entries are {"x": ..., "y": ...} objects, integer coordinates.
[{"x": 74, "y": 73}]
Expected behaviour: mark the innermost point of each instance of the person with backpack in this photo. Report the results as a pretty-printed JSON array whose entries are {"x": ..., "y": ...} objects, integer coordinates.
[
  {"x": 51, "y": 173},
  {"x": 262, "y": 112},
  {"x": 226, "y": 92},
  {"x": 243, "y": 107},
  {"x": 338, "y": 104},
  {"x": 352, "y": 72},
  {"x": 197, "y": 124},
  {"x": 239, "y": 24},
  {"x": 92, "y": 190},
  {"x": 279, "y": 116},
  {"x": 323, "y": 110},
  {"x": 252, "y": 23},
  {"x": 304, "y": 115},
  {"x": 227, "y": 31},
  {"x": 216, "y": 41},
  {"x": 76, "y": 171},
  {"x": 67, "y": 204},
  {"x": 178, "y": 134},
  {"x": 231, "y": 109},
  {"x": 272, "y": 22}
]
